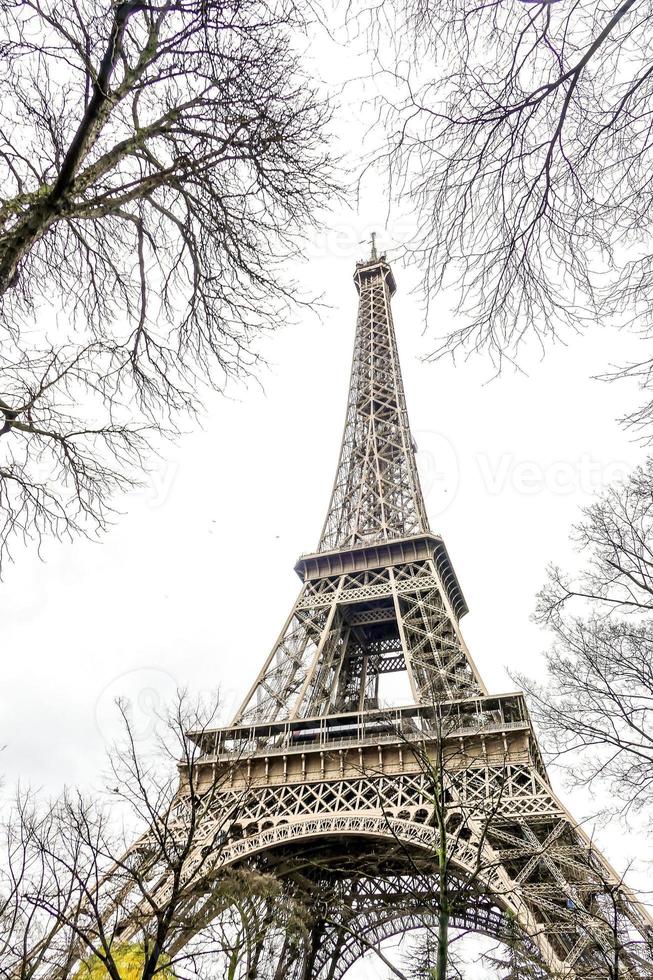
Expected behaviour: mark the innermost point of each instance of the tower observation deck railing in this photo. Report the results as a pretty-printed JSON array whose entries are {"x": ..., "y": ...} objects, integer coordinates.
[{"x": 479, "y": 716}]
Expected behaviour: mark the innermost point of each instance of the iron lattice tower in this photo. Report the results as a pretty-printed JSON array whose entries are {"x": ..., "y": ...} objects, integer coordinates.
[{"x": 330, "y": 771}]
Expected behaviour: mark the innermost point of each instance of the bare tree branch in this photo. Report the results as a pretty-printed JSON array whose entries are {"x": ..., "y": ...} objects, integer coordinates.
[
  {"x": 520, "y": 135},
  {"x": 596, "y": 710},
  {"x": 159, "y": 163},
  {"x": 121, "y": 888}
]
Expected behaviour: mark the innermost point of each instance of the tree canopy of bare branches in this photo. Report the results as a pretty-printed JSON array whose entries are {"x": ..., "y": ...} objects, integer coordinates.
[
  {"x": 447, "y": 899},
  {"x": 597, "y": 708},
  {"x": 158, "y": 163},
  {"x": 120, "y": 887},
  {"x": 461, "y": 897},
  {"x": 520, "y": 132}
]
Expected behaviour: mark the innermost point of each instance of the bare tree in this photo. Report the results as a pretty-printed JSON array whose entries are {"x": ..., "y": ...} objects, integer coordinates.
[
  {"x": 620, "y": 954},
  {"x": 454, "y": 892},
  {"x": 159, "y": 162},
  {"x": 127, "y": 890},
  {"x": 510, "y": 961},
  {"x": 465, "y": 888},
  {"x": 457, "y": 888},
  {"x": 617, "y": 954},
  {"x": 596, "y": 709},
  {"x": 519, "y": 132}
]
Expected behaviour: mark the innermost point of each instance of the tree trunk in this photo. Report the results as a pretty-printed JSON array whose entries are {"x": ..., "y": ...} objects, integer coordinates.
[{"x": 442, "y": 958}]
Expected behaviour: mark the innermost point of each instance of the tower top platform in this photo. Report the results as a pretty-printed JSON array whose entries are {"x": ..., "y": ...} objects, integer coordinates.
[{"x": 371, "y": 267}]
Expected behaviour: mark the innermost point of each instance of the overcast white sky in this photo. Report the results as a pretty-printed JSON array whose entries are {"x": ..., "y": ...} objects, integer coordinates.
[{"x": 192, "y": 585}]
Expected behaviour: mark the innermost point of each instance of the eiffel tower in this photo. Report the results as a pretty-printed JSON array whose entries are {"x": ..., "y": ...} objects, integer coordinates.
[{"x": 332, "y": 783}]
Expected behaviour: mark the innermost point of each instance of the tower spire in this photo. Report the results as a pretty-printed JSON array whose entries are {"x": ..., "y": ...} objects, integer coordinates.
[{"x": 376, "y": 494}]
